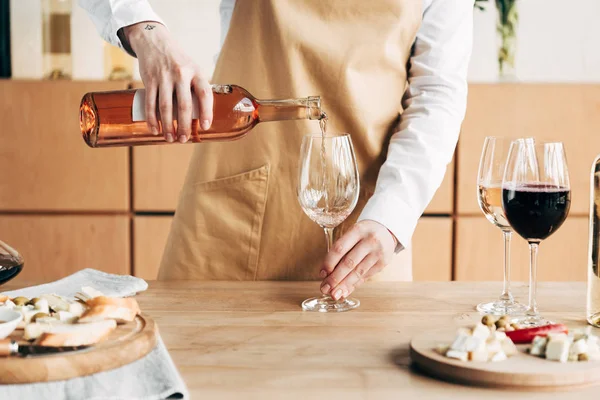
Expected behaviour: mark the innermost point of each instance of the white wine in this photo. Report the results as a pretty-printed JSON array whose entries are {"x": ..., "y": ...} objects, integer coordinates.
[
  {"x": 593, "y": 283},
  {"x": 490, "y": 202}
]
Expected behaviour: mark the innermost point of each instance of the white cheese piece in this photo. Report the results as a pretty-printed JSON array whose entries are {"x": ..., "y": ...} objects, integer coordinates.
[
  {"x": 66, "y": 316},
  {"x": 579, "y": 347},
  {"x": 56, "y": 302},
  {"x": 538, "y": 346},
  {"x": 558, "y": 349},
  {"x": 47, "y": 320},
  {"x": 9, "y": 304},
  {"x": 481, "y": 331},
  {"x": 460, "y": 343},
  {"x": 474, "y": 343},
  {"x": 479, "y": 355},
  {"x": 76, "y": 308},
  {"x": 91, "y": 292},
  {"x": 497, "y": 335},
  {"x": 557, "y": 336},
  {"x": 499, "y": 356},
  {"x": 509, "y": 348},
  {"x": 442, "y": 349},
  {"x": 494, "y": 347},
  {"x": 42, "y": 306},
  {"x": 458, "y": 355}
]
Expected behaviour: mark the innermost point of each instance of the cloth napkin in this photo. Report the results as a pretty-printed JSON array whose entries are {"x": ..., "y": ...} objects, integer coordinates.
[{"x": 153, "y": 377}]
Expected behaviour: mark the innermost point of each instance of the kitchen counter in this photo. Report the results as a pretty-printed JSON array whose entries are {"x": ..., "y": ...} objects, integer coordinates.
[{"x": 245, "y": 340}]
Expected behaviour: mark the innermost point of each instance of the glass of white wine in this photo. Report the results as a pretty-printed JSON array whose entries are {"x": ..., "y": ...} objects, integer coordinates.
[
  {"x": 489, "y": 196},
  {"x": 328, "y": 187}
]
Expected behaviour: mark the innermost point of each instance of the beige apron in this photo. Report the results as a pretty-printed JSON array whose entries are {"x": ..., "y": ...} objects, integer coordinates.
[{"x": 238, "y": 216}]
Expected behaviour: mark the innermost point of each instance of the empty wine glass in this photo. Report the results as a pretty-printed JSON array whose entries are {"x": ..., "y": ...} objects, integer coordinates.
[
  {"x": 489, "y": 196},
  {"x": 536, "y": 197},
  {"x": 328, "y": 187}
]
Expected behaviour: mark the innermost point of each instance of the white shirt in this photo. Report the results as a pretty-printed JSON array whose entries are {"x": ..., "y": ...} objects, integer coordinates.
[{"x": 434, "y": 105}]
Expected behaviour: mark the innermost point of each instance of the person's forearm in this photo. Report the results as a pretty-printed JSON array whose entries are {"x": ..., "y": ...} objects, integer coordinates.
[{"x": 132, "y": 36}]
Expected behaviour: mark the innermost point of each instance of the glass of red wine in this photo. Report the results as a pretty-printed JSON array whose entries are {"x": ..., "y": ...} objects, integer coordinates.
[{"x": 536, "y": 196}]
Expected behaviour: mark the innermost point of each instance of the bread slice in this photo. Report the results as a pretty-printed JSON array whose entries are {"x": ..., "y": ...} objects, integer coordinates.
[
  {"x": 119, "y": 309},
  {"x": 75, "y": 334}
]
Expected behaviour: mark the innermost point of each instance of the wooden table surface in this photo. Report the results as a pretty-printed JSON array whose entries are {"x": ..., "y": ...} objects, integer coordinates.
[{"x": 233, "y": 340}]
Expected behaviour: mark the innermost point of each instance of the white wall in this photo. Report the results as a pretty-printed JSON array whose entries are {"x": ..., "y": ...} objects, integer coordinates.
[{"x": 558, "y": 40}]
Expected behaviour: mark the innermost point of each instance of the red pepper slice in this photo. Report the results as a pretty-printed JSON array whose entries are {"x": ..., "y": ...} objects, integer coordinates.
[{"x": 521, "y": 336}]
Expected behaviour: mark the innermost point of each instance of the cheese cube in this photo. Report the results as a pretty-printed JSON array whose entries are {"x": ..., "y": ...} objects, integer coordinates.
[
  {"x": 558, "y": 349},
  {"x": 494, "y": 347},
  {"x": 76, "y": 308},
  {"x": 458, "y": 355},
  {"x": 509, "y": 348},
  {"x": 481, "y": 331},
  {"x": 538, "y": 346},
  {"x": 42, "y": 306},
  {"x": 479, "y": 355},
  {"x": 499, "y": 356},
  {"x": 497, "y": 335},
  {"x": 474, "y": 344},
  {"x": 442, "y": 349},
  {"x": 460, "y": 343},
  {"x": 579, "y": 347},
  {"x": 66, "y": 316}
]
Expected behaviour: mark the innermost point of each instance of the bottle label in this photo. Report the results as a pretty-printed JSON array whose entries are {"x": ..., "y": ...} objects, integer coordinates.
[{"x": 138, "y": 108}]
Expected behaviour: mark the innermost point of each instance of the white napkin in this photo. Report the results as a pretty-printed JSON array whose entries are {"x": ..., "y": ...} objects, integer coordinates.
[{"x": 153, "y": 377}]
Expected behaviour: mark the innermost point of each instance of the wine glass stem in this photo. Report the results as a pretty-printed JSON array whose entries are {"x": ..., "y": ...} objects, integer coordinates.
[
  {"x": 533, "y": 253},
  {"x": 329, "y": 237},
  {"x": 506, "y": 295}
]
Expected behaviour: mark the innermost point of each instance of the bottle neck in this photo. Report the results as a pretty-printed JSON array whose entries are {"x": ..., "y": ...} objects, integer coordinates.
[{"x": 281, "y": 110}]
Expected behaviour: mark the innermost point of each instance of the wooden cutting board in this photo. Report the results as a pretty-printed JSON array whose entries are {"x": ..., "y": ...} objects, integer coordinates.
[
  {"x": 127, "y": 343},
  {"x": 519, "y": 371}
]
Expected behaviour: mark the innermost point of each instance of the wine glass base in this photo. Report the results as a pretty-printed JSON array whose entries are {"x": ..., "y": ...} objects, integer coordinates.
[
  {"x": 532, "y": 321},
  {"x": 328, "y": 304},
  {"x": 502, "y": 307}
]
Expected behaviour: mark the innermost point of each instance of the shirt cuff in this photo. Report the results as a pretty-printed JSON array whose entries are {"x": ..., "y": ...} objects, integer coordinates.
[
  {"x": 392, "y": 212},
  {"x": 126, "y": 16}
]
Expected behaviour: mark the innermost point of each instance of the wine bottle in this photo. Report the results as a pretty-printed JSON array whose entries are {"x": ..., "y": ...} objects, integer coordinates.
[{"x": 117, "y": 118}]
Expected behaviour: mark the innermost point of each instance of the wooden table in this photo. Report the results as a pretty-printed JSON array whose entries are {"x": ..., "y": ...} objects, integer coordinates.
[{"x": 241, "y": 340}]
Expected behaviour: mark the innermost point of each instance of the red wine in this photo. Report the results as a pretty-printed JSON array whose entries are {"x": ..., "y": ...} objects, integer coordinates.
[
  {"x": 7, "y": 272},
  {"x": 535, "y": 211}
]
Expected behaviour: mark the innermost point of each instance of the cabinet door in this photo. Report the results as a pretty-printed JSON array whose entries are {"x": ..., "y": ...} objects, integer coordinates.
[
  {"x": 432, "y": 249},
  {"x": 443, "y": 199},
  {"x": 150, "y": 236},
  {"x": 562, "y": 257},
  {"x": 551, "y": 112},
  {"x": 55, "y": 246},
  {"x": 45, "y": 163}
]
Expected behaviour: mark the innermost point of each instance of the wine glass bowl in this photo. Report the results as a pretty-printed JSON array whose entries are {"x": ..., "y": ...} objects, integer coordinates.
[
  {"x": 536, "y": 197},
  {"x": 489, "y": 196},
  {"x": 11, "y": 263},
  {"x": 328, "y": 188}
]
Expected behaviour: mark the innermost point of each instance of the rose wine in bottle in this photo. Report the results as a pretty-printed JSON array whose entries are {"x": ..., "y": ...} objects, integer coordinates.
[{"x": 117, "y": 118}]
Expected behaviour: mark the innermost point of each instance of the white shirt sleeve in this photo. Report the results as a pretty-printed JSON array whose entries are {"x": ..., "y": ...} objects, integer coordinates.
[
  {"x": 111, "y": 15},
  {"x": 434, "y": 107}
]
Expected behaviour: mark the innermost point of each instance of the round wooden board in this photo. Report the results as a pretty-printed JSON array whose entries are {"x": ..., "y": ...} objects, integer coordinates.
[
  {"x": 127, "y": 343},
  {"x": 518, "y": 371}
]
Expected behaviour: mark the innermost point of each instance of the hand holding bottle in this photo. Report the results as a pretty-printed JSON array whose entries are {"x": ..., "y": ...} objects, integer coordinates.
[{"x": 168, "y": 72}]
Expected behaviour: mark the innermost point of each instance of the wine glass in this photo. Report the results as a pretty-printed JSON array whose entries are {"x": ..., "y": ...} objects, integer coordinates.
[
  {"x": 11, "y": 262},
  {"x": 536, "y": 196},
  {"x": 489, "y": 196},
  {"x": 328, "y": 186}
]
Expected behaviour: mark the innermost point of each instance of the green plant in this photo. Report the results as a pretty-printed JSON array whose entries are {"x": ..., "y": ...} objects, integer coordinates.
[{"x": 506, "y": 26}]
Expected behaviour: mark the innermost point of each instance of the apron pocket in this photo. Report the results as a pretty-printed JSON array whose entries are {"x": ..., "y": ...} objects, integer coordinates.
[{"x": 216, "y": 230}]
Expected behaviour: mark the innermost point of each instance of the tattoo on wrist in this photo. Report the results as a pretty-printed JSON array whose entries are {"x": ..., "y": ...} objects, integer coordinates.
[{"x": 149, "y": 27}]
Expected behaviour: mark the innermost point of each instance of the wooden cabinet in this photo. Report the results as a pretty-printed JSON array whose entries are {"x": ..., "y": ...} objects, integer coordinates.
[
  {"x": 442, "y": 202},
  {"x": 432, "y": 249},
  {"x": 45, "y": 163},
  {"x": 149, "y": 239},
  {"x": 479, "y": 252},
  {"x": 55, "y": 246},
  {"x": 158, "y": 175},
  {"x": 558, "y": 112}
]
